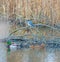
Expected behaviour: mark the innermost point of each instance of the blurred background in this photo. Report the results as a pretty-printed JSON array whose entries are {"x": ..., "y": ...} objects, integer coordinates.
[{"x": 15, "y": 29}]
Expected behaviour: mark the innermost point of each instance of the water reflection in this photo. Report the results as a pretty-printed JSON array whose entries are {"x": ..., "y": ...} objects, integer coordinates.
[
  {"x": 25, "y": 57},
  {"x": 3, "y": 57},
  {"x": 50, "y": 56},
  {"x": 34, "y": 55}
]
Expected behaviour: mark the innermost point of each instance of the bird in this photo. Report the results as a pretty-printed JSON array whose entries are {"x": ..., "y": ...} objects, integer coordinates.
[{"x": 30, "y": 23}]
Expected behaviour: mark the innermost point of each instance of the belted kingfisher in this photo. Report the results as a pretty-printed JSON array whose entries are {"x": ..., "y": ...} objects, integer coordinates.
[{"x": 30, "y": 23}]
